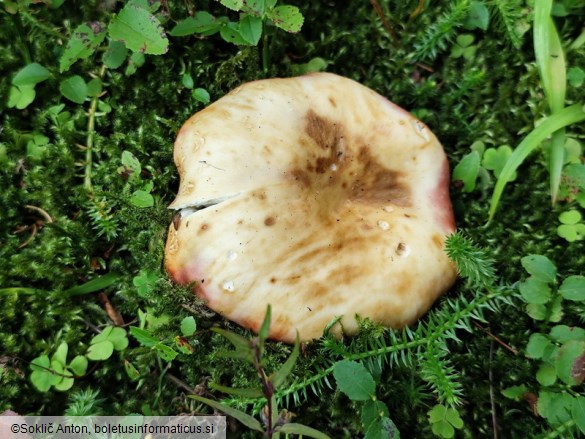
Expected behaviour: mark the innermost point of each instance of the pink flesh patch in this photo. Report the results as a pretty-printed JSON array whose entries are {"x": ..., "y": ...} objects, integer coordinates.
[{"x": 440, "y": 199}]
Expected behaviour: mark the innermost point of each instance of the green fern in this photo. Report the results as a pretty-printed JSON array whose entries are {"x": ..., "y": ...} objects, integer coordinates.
[
  {"x": 103, "y": 218},
  {"x": 439, "y": 373},
  {"x": 440, "y": 33},
  {"x": 472, "y": 263}
]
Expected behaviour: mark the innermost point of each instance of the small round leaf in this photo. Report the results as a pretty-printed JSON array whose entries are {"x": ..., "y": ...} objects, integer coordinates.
[{"x": 100, "y": 351}]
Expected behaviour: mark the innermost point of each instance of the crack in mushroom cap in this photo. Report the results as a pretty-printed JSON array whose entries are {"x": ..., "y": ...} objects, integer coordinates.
[{"x": 316, "y": 195}]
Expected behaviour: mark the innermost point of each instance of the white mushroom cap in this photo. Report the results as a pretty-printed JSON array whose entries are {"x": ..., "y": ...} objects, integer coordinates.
[{"x": 316, "y": 195}]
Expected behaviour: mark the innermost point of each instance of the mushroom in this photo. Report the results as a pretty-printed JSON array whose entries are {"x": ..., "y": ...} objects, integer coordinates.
[{"x": 316, "y": 195}]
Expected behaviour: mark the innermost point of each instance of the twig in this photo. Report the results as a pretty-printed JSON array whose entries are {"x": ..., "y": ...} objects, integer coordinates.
[
  {"x": 385, "y": 21},
  {"x": 112, "y": 312},
  {"x": 90, "y": 135},
  {"x": 492, "y": 399},
  {"x": 181, "y": 384},
  {"x": 41, "y": 211},
  {"x": 507, "y": 346}
]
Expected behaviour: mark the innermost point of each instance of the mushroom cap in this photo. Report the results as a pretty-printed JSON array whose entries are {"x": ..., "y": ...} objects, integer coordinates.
[{"x": 316, "y": 195}]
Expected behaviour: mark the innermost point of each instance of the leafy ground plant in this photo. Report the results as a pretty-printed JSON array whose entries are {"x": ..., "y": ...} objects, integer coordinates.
[{"x": 274, "y": 423}]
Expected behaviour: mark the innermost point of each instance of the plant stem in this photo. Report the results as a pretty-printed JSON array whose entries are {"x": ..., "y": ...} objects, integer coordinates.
[{"x": 89, "y": 140}]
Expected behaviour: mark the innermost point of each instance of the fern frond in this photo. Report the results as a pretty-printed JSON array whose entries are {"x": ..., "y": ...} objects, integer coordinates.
[
  {"x": 439, "y": 373},
  {"x": 103, "y": 219},
  {"x": 473, "y": 263},
  {"x": 442, "y": 31}
]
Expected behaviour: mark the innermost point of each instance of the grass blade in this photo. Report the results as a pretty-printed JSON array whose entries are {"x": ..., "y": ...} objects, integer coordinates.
[
  {"x": 249, "y": 421},
  {"x": 567, "y": 116},
  {"x": 550, "y": 60},
  {"x": 99, "y": 283}
]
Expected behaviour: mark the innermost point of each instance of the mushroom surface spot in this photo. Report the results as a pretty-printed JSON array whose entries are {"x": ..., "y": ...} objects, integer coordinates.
[{"x": 316, "y": 195}]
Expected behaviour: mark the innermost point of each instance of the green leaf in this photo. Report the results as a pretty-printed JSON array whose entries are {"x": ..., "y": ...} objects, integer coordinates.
[
  {"x": 74, "y": 89},
  {"x": 91, "y": 286},
  {"x": 555, "y": 407},
  {"x": 567, "y": 116},
  {"x": 515, "y": 392},
  {"x": 131, "y": 371},
  {"x": 201, "y": 95},
  {"x": 444, "y": 420},
  {"x": 251, "y": 29},
  {"x": 115, "y": 54},
  {"x": 231, "y": 33},
  {"x": 465, "y": 40},
  {"x": 245, "y": 393},
  {"x": 571, "y": 232},
  {"x": 143, "y": 337},
  {"x": 187, "y": 81},
  {"x": 142, "y": 199},
  {"x": 373, "y": 410},
  {"x": 578, "y": 412},
  {"x": 280, "y": 376},
  {"x": 573, "y": 288},
  {"x": 137, "y": 60},
  {"x": 119, "y": 338},
  {"x": 244, "y": 418},
  {"x": 570, "y": 362},
  {"x": 131, "y": 164},
  {"x": 563, "y": 333},
  {"x": 452, "y": 416},
  {"x": 78, "y": 365},
  {"x": 165, "y": 352},
  {"x": 354, "y": 380},
  {"x": 100, "y": 351},
  {"x": 576, "y": 76},
  {"x": 241, "y": 344},
  {"x": 546, "y": 374},
  {"x": 60, "y": 354},
  {"x": 94, "y": 87},
  {"x": 467, "y": 170},
  {"x": 42, "y": 377},
  {"x": 301, "y": 430},
  {"x": 37, "y": 147},
  {"x": 495, "y": 160},
  {"x": 264, "y": 330},
  {"x": 202, "y": 23},
  {"x": 64, "y": 381},
  {"x": 288, "y": 18},
  {"x": 31, "y": 75},
  {"x": 537, "y": 344},
  {"x": 188, "y": 326},
  {"x": 139, "y": 30},
  {"x": 478, "y": 17},
  {"x": 537, "y": 312},
  {"x": 145, "y": 282},
  {"x": 83, "y": 43},
  {"x": 550, "y": 58},
  {"x": 21, "y": 97},
  {"x": 540, "y": 267},
  {"x": 535, "y": 291},
  {"x": 570, "y": 217},
  {"x": 234, "y": 5}
]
